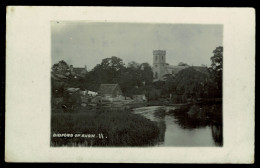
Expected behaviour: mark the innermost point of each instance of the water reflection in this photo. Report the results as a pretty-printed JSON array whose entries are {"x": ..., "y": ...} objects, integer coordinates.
[
  {"x": 196, "y": 125},
  {"x": 217, "y": 134}
]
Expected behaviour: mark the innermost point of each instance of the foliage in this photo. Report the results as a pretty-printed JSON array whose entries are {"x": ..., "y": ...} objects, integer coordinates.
[
  {"x": 112, "y": 70},
  {"x": 61, "y": 68},
  {"x": 189, "y": 83},
  {"x": 182, "y": 64},
  {"x": 122, "y": 128},
  {"x": 216, "y": 69},
  {"x": 57, "y": 86},
  {"x": 217, "y": 59},
  {"x": 192, "y": 84}
]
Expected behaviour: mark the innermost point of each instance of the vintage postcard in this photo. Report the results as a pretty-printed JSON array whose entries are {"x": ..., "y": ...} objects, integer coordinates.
[{"x": 105, "y": 87}]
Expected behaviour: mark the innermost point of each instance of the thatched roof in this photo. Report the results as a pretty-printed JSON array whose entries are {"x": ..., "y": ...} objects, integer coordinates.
[{"x": 107, "y": 88}]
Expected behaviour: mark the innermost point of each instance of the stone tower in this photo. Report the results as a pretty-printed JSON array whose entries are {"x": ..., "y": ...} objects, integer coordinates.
[{"x": 159, "y": 64}]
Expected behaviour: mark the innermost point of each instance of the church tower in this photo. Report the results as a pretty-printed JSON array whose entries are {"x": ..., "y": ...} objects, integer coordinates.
[{"x": 159, "y": 64}]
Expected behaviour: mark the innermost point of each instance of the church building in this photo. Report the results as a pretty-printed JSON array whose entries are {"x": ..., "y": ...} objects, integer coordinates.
[{"x": 161, "y": 68}]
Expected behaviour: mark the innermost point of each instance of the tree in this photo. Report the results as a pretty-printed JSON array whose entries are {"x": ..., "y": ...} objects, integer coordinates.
[
  {"x": 217, "y": 59},
  {"x": 188, "y": 83},
  {"x": 60, "y": 73},
  {"x": 61, "y": 68},
  {"x": 182, "y": 64},
  {"x": 133, "y": 65},
  {"x": 132, "y": 79},
  {"x": 135, "y": 77},
  {"x": 216, "y": 68},
  {"x": 113, "y": 63},
  {"x": 108, "y": 71},
  {"x": 146, "y": 73}
]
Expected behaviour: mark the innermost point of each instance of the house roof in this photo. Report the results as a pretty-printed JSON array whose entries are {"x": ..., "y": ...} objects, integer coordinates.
[
  {"x": 79, "y": 70},
  {"x": 107, "y": 88},
  {"x": 175, "y": 69}
]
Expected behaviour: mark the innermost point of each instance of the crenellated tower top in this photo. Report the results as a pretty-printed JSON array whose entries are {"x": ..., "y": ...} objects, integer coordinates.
[{"x": 159, "y": 56}]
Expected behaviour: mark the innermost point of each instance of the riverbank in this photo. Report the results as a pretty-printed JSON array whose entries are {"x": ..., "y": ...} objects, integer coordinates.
[
  {"x": 184, "y": 125},
  {"x": 118, "y": 128}
]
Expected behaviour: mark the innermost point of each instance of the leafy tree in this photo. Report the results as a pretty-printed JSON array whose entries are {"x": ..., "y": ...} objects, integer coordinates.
[
  {"x": 135, "y": 77},
  {"x": 217, "y": 59},
  {"x": 169, "y": 85},
  {"x": 188, "y": 83},
  {"x": 182, "y": 64},
  {"x": 146, "y": 73},
  {"x": 61, "y": 72},
  {"x": 108, "y": 71},
  {"x": 133, "y": 65},
  {"x": 61, "y": 68},
  {"x": 216, "y": 69}
]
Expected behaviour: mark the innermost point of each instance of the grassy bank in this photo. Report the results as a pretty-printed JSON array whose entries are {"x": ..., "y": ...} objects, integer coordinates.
[{"x": 118, "y": 127}]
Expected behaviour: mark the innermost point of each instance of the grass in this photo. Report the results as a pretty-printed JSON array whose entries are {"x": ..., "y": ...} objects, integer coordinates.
[{"x": 121, "y": 127}]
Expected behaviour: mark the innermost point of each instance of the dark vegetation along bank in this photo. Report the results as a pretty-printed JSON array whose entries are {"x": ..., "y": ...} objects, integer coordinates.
[
  {"x": 118, "y": 127},
  {"x": 201, "y": 115}
]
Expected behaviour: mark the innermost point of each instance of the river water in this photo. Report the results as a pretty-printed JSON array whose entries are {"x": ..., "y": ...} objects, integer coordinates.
[{"x": 193, "y": 126}]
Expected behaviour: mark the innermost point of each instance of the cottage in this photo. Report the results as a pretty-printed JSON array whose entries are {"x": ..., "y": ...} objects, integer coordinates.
[
  {"x": 110, "y": 90},
  {"x": 78, "y": 72}
]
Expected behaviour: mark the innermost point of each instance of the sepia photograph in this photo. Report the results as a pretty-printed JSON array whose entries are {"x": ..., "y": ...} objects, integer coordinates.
[
  {"x": 134, "y": 84},
  {"x": 130, "y": 85}
]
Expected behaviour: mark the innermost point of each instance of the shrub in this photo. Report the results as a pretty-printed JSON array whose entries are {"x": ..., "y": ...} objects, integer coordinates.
[{"x": 122, "y": 128}]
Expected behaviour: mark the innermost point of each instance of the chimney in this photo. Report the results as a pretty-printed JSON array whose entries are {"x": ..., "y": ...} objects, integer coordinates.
[{"x": 86, "y": 67}]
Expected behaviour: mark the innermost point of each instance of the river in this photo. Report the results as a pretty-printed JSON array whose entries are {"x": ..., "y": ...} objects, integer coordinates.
[{"x": 186, "y": 126}]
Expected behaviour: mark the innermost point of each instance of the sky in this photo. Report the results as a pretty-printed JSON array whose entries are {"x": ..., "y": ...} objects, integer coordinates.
[{"x": 87, "y": 43}]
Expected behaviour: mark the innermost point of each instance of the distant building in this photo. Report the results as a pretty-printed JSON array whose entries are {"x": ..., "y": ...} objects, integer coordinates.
[
  {"x": 161, "y": 68},
  {"x": 110, "y": 90},
  {"x": 78, "y": 72}
]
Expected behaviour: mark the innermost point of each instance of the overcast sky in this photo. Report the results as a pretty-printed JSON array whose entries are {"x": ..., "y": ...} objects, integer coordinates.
[{"x": 82, "y": 43}]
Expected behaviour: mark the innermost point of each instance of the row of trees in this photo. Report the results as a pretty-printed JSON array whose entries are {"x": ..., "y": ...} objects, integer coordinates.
[
  {"x": 192, "y": 84},
  {"x": 131, "y": 78},
  {"x": 135, "y": 78}
]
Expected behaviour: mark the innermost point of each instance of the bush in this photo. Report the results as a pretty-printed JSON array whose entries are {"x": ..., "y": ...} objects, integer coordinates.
[{"x": 122, "y": 128}]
